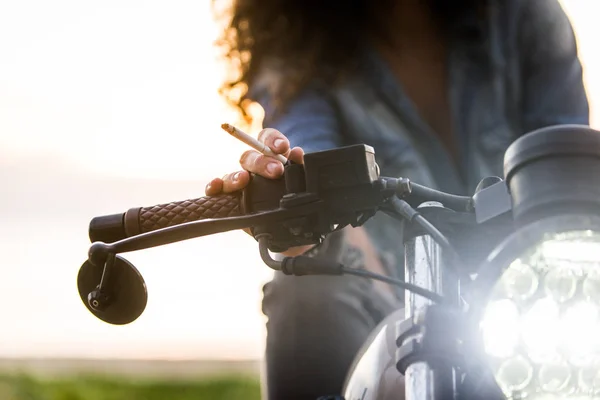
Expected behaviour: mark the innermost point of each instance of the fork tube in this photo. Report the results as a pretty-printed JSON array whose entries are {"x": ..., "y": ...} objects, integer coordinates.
[{"x": 424, "y": 266}]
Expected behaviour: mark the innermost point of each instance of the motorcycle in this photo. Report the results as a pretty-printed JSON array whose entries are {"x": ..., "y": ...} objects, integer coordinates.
[{"x": 502, "y": 287}]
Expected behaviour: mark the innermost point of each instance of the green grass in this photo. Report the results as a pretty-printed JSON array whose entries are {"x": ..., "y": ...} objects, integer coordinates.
[{"x": 100, "y": 388}]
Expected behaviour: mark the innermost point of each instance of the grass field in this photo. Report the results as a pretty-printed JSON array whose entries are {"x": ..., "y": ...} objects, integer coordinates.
[
  {"x": 64, "y": 379},
  {"x": 24, "y": 387}
]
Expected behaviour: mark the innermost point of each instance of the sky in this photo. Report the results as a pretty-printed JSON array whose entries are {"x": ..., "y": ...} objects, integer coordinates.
[{"x": 114, "y": 104}]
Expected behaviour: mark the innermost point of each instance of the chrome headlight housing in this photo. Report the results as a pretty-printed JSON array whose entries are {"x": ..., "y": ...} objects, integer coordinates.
[{"x": 539, "y": 321}]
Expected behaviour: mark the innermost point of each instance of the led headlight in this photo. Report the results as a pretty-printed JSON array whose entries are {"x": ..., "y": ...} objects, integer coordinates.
[
  {"x": 540, "y": 322},
  {"x": 541, "y": 325}
]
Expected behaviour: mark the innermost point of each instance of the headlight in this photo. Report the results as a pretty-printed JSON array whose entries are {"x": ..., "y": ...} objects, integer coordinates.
[
  {"x": 541, "y": 325},
  {"x": 540, "y": 320}
]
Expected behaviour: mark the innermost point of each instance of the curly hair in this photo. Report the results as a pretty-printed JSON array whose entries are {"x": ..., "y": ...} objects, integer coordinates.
[{"x": 308, "y": 39}]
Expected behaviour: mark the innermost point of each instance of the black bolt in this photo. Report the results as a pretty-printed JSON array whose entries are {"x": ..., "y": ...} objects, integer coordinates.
[{"x": 97, "y": 300}]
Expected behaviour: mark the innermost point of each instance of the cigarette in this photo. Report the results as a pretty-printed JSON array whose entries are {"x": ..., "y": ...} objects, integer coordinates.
[{"x": 250, "y": 141}]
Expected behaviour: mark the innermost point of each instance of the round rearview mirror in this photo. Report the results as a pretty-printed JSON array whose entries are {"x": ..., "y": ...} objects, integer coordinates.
[{"x": 123, "y": 297}]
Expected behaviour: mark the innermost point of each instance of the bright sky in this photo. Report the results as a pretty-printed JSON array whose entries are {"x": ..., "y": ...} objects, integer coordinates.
[{"x": 108, "y": 105}]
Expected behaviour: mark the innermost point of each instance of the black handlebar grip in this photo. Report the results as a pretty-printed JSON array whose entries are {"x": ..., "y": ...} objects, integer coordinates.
[
  {"x": 107, "y": 228},
  {"x": 111, "y": 228}
]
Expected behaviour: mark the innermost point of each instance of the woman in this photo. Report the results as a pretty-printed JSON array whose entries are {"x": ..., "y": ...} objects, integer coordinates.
[{"x": 438, "y": 88}]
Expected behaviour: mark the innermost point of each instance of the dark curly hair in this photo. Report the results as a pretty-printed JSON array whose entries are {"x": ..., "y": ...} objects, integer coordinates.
[{"x": 308, "y": 39}]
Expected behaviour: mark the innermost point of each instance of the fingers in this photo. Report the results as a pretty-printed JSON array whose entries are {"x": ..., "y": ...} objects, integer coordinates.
[
  {"x": 214, "y": 187},
  {"x": 275, "y": 140},
  {"x": 296, "y": 155},
  {"x": 228, "y": 184},
  {"x": 280, "y": 144},
  {"x": 260, "y": 164},
  {"x": 235, "y": 181},
  {"x": 266, "y": 166},
  {"x": 253, "y": 162}
]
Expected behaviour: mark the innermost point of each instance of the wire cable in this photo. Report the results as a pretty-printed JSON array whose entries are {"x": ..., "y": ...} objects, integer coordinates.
[
  {"x": 428, "y": 294},
  {"x": 401, "y": 210},
  {"x": 302, "y": 265}
]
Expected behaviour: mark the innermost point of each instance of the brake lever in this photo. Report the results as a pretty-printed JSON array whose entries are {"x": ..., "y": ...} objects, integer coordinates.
[{"x": 99, "y": 251}]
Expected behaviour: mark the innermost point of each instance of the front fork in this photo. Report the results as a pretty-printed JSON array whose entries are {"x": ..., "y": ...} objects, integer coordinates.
[{"x": 425, "y": 267}]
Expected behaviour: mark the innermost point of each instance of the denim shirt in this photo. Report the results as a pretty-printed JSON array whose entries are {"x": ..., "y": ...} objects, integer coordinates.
[{"x": 521, "y": 73}]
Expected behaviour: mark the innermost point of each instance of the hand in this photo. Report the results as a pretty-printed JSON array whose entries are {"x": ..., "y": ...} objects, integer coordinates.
[{"x": 252, "y": 161}]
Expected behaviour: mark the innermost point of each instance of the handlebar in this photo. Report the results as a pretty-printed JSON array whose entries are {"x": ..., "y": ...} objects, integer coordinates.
[
  {"x": 335, "y": 187},
  {"x": 344, "y": 181},
  {"x": 331, "y": 190},
  {"x": 138, "y": 220}
]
